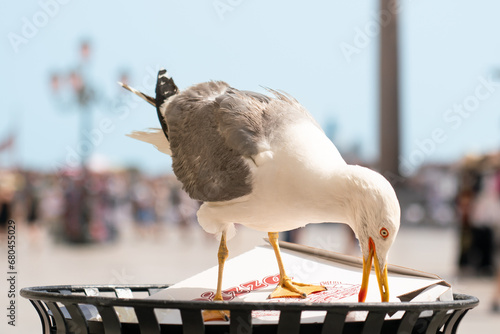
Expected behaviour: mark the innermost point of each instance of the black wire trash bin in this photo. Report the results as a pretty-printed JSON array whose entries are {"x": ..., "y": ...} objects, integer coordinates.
[{"x": 93, "y": 309}]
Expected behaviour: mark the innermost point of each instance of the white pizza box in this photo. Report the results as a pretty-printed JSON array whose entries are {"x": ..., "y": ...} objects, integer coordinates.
[{"x": 252, "y": 276}]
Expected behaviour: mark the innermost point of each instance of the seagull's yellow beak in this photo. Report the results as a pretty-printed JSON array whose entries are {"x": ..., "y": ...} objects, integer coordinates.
[{"x": 381, "y": 275}]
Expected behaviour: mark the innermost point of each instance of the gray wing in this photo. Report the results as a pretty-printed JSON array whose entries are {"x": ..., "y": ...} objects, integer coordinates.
[
  {"x": 213, "y": 129},
  {"x": 249, "y": 121}
]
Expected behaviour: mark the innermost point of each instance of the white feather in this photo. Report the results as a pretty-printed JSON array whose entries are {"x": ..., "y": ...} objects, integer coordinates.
[{"x": 156, "y": 137}]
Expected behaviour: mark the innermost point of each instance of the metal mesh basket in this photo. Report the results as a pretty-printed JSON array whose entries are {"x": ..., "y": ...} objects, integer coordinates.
[{"x": 68, "y": 309}]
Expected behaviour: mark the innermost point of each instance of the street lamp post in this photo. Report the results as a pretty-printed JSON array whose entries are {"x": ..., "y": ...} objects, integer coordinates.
[
  {"x": 389, "y": 140},
  {"x": 81, "y": 94}
]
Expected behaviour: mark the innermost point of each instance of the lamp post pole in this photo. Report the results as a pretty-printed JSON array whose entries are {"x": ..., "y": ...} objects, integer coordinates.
[
  {"x": 389, "y": 136},
  {"x": 77, "y": 208}
]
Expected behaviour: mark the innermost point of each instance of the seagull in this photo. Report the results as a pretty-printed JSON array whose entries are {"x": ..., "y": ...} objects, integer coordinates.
[{"x": 263, "y": 161}]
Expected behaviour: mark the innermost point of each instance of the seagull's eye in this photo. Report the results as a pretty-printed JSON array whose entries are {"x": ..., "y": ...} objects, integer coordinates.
[{"x": 384, "y": 233}]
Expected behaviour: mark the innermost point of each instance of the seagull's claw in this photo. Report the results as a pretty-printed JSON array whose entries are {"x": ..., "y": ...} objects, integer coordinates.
[
  {"x": 289, "y": 289},
  {"x": 215, "y": 315}
]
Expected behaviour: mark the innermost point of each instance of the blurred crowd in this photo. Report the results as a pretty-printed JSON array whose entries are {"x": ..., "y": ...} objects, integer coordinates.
[
  {"x": 478, "y": 206},
  {"x": 82, "y": 207},
  {"x": 465, "y": 195},
  {"x": 87, "y": 206}
]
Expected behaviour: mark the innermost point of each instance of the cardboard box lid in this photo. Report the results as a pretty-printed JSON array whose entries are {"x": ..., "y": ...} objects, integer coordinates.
[{"x": 252, "y": 276}]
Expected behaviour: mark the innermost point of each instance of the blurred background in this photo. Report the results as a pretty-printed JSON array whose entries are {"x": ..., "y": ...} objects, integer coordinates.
[{"x": 410, "y": 88}]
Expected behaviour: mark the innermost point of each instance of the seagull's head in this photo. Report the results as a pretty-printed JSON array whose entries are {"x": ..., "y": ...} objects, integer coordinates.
[{"x": 375, "y": 218}]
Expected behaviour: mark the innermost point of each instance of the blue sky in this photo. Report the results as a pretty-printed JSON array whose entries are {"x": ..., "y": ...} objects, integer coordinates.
[{"x": 324, "y": 53}]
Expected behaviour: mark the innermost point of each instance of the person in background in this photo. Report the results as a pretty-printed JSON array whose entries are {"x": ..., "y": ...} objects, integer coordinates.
[
  {"x": 495, "y": 303},
  {"x": 7, "y": 191},
  {"x": 469, "y": 186},
  {"x": 143, "y": 203},
  {"x": 31, "y": 195},
  {"x": 485, "y": 216}
]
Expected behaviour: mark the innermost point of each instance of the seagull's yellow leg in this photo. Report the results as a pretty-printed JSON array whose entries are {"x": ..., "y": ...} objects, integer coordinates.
[
  {"x": 287, "y": 288},
  {"x": 210, "y": 315}
]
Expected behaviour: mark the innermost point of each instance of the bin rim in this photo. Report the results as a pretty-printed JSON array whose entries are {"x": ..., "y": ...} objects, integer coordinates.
[{"x": 52, "y": 293}]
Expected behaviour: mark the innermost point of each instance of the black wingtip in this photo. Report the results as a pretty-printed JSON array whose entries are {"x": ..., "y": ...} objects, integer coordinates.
[{"x": 165, "y": 87}]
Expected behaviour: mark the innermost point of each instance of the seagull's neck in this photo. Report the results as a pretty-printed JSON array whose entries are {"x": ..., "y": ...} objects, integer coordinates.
[
  {"x": 323, "y": 184},
  {"x": 335, "y": 195},
  {"x": 356, "y": 195}
]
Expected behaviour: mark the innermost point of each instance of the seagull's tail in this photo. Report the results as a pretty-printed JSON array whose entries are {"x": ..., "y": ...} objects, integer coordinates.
[
  {"x": 154, "y": 137},
  {"x": 147, "y": 98}
]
